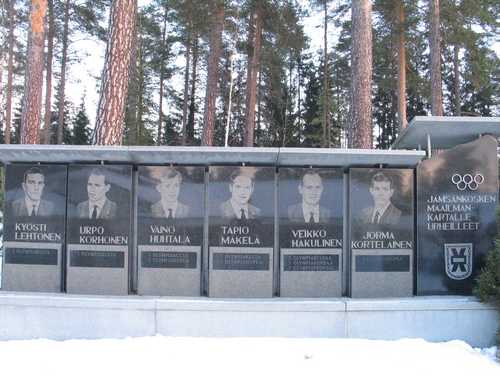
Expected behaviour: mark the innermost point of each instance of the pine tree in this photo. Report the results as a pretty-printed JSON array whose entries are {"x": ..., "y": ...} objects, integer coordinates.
[
  {"x": 32, "y": 99},
  {"x": 11, "y": 16},
  {"x": 81, "y": 126},
  {"x": 213, "y": 72},
  {"x": 488, "y": 283},
  {"x": 68, "y": 109},
  {"x": 435, "y": 58},
  {"x": 115, "y": 77},
  {"x": 312, "y": 108},
  {"x": 360, "y": 133}
]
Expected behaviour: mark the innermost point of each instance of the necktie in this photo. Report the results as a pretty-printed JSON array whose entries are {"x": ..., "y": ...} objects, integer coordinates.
[
  {"x": 33, "y": 211},
  {"x": 94, "y": 213},
  {"x": 169, "y": 214},
  {"x": 376, "y": 218},
  {"x": 311, "y": 218},
  {"x": 243, "y": 216}
]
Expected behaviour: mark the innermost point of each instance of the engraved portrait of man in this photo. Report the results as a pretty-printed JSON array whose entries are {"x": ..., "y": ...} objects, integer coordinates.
[
  {"x": 169, "y": 206},
  {"x": 32, "y": 204},
  {"x": 98, "y": 206},
  {"x": 382, "y": 211},
  {"x": 309, "y": 210},
  {"x": 241, "y": 187}
]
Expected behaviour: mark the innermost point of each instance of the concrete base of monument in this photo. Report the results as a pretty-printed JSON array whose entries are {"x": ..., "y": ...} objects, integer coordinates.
[{"x": 60, "y": 317}]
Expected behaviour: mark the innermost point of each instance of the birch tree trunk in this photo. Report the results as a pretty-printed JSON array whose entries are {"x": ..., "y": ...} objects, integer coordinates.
[
  {"x": 32, "y": 100},
  {"x": 400, "y": 25},
  {"x": 435, "y": 66},
  {"x": 47, "y": 131},
  {"x": 10, "y": 71},
  {"x": 213, "y": 75},
  {"x": 253, "y": 70},
  {"x": 115, "y": 76},
  {"x": 62, "y": 85},
  {"x": 360, "y": 134}
]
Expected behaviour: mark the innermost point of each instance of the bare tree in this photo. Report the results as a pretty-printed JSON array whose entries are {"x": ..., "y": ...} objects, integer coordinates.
[
  {"x": 186, "y": 87},
  {"x": 326, "y": 107},
  {"x": 162, "y": 74},
  {"x": 213, "y": 74},
  {"x": 62, "y": 84},
  {"x": 192, "y": 96},
  {"x": 115, "y": 76},
  {"x": 360, "y": 132},
  {"x": 32, "y": 100},
  {"x": 253, "y": 67},
  {"x": 456, "y": 81},
  {"x": 401, "y": 41},
  {"x": 48, "y": 75},
  {"x": 435, "y": 47},
  {"x": 11, "y": 14}
]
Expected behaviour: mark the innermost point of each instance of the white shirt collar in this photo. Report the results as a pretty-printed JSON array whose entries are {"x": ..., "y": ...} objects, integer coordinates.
[
  {"x": 380, "y": 210},
  {"x": 169, "y": 205},
  {"x": 306, "y": 211},
  {"x": 237, "y": 209},
  {"x": 99, "y": 204},
  {"x": 30, "y": 204}
]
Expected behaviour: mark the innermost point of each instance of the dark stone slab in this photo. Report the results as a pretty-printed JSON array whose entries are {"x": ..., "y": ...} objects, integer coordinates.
[
  {"x": 311, "y": 263},
  {"x": 164, "y": 259},
  {"x": 456, "y": 201},
  {"x": 383, "y": 263},
  {"x": 47, "y": 257},
  {"x": 97, "y": 259},
  {"x": 382, "y": 232},
  {"x": 34, "y": 231},
  {"x": 99, "y": 214},
  {"x": 311, "y": 231},
  {"x": 241, "y": 262},
  {"x": 170, "y": 230},
  {"x": 241, "y": 228}
]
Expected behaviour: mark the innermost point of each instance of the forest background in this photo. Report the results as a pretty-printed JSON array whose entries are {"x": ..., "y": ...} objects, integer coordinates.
[{"x": 282, "y": 73}]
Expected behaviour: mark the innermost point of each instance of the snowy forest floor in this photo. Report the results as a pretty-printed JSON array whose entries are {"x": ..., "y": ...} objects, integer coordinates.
[{"x": 152, "y": 355}]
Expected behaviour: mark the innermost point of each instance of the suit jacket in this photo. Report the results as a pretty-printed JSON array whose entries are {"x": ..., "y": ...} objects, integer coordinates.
[
  {"x": 391, "y": 215},
  {"x": 226, "y": 210},
  {"x": 45, "y": 208},
  {"x": 108, "y": 210},
  {"x": 182, "y": 210},
  {"x": 296, "y": 214}
]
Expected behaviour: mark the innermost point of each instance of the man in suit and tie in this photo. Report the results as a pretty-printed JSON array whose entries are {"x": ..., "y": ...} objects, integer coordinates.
[
  {"x": 169, "y": 206},
  {"x": 238, "y": 206},
  {"x": 309, "y": 210},
  {"x": 382, "y": 211},
  {"x": 32, "y": 204},
  {"x": 98, "y": 206}
]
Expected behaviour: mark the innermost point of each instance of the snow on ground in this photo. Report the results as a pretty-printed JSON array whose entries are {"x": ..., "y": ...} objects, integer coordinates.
[{"x": 236, "y": 356}]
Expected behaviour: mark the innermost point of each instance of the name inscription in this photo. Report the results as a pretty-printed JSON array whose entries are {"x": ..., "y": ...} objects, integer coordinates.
[
  {"x": 238, "y": 235},
  {"x": 35, "y": 232},
  {"x": 95, "y": 235},
  {"x": 380, "y": 240}
]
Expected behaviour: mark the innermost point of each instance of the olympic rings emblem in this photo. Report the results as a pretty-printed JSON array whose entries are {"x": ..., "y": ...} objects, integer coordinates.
[{"x": 467, "y": 181}]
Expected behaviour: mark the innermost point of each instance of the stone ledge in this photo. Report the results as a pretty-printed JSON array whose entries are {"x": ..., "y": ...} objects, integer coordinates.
[
  {"x": 252, "y": 304},
  {"x": 430, "y": 303},
  {"x": 64, "y": 316},
  {"x": 57, "y": 300}
]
